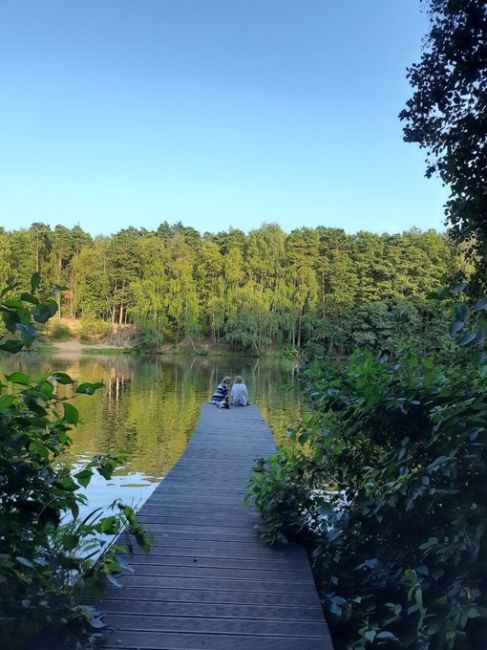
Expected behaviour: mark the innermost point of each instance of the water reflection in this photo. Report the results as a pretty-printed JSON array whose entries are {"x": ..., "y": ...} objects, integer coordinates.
[{"x": 150, "y": 405}]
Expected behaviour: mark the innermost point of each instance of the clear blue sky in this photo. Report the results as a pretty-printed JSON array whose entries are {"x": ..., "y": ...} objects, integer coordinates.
[{"x": 217, "y": 113}]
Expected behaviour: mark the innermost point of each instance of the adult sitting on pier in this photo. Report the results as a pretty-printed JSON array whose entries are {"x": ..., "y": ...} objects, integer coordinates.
[
  {"x": 239, "y": 393},
  {"x": 220, "y": 396}
]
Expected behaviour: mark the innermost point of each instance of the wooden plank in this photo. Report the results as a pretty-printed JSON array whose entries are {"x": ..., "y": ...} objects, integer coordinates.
[
  {"x": 218, "y": 550},
  {"x": 208, "y": 536},
  {"x": 209, "y": 581},
  {"x": 184, "y": 509},
  {"x": 137, "y": 640},
  {"x": 222, "y": 519},
  {"x": 198, "y": 499},
  {"x": 218, "y": 584},
  {"x": 211, "y": 610},
  {"x": 262, "y": 566},
  {"x": 281, "y": 599},
  {"x": 209, "y": 625},
  {"x": 224, "y": 532},
  {"x": 196, "y": 570},
  {"x": 221, "y": 489},
  {"x": 205, "y": 535}
]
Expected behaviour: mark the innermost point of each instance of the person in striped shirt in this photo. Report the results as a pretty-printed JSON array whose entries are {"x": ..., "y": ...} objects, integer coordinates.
[{"x": 220, "y": 396}]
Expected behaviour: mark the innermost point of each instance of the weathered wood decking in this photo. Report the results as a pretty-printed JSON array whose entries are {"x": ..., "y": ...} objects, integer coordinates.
[{"x": 209, "y": 581}]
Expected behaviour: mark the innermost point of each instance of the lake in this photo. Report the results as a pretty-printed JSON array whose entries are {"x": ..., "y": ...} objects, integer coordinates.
[{"x": 149, "y": 407}]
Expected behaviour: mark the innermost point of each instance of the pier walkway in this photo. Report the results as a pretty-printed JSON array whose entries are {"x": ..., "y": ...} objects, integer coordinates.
[{"x": 209, "y": 581}]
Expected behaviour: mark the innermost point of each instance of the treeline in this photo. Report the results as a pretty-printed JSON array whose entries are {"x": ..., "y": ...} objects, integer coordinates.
[{"x": 251, "y": 290}]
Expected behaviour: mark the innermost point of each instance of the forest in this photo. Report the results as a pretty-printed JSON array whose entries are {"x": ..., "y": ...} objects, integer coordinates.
[
  {"x": 251, "y": 291},
  {"x": 383, "y": 479}
]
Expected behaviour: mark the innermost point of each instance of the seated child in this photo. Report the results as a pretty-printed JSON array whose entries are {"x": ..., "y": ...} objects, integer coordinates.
[
  {"x": 240, "y": 394},
  {"x": 220, "y": 396}
]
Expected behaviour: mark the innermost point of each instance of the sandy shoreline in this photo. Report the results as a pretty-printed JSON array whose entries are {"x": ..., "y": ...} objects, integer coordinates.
[{"x": 75, "y": 347}]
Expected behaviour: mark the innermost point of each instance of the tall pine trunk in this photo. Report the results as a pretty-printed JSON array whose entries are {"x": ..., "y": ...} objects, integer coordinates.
[
  {"x": 37, "y": 253},
  {"x": 58, "y": 295},
  {"x": 300, "y": 322}
]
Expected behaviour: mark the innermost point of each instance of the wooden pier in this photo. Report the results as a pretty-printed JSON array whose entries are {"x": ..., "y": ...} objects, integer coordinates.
[{"x": 209, "y": 581}]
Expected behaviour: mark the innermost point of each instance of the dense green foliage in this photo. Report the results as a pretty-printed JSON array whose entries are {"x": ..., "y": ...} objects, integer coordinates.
[
  {"x": 446, "y": 115},
  {"x": 149, "y": 335},
  {"x": 386, "y": 481},
  {"x": 381, "y": 328},
  {"x": 250, "y": 290},
  {"x": 386, "y": 485},
  {"x": 49, "y": 553}
]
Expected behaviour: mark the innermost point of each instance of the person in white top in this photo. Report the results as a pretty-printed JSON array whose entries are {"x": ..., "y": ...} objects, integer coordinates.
[{"x": 239, "y": 393}]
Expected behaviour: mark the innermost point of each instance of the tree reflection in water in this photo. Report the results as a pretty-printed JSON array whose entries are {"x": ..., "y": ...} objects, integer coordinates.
[{"x": 150, "y": 406}]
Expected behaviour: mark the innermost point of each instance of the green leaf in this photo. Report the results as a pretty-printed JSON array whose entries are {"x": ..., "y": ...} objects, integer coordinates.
[
  {"x": 13, "y": 346},
  {"x": 457, "y": 326},
  {"x": 87, "y": 388},
  {"x": 459, "y": 288},
  {"x": 36, "y": 447},
  {"x": 6, "y": 402},
  {"x": 71, "y": 413},
  {"x": 129, "y": 512},
  {"x": 67, "y": 483},
  {"x": 25, "y": 562},
  {"x": 106, "y": 468},
  {"x": 53, "y": 306},
  {"x": 18, "y": 378},
  {"x": 109, "y": 525},
  {"x": 442, "y": 293},
  {"x": 11, "y": 318},
  {"x": 142, "y": 541},
  {"x": 74, "y": 509},
  {"x": 394, "y": 607},
  {"x": 26, "y": 330},
  {"x": 333, "y": 608},
  {"x": 28, "y": 297},
  {"x": 70, "y": 541},
  {"x": 46, "y": 389},
  {"x": 84, "y": 476},
  {"x": 61, "y": 378},
  {"x": 462, "y": 312},
  {"x": 12, "y": 304},
  {"x": 467, "y": 339},
  {"x": 35, "y": 282},
  {"x": 480, "y": 304},
  {"x": 41, "y": 313},
  {"x": 432, "y": 541},
  {"x": 303, "y": 438},
  {"x": 418, "y": 596},
  {"x": 70, "y": 563}
]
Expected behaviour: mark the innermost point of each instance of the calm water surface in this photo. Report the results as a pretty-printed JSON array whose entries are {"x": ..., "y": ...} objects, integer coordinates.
[{"x": 149, "y": 408}]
